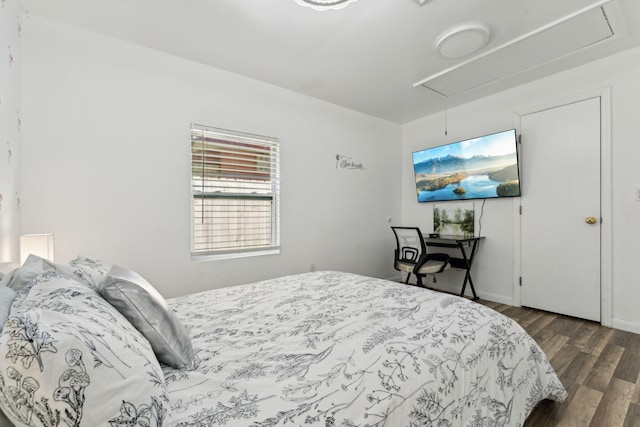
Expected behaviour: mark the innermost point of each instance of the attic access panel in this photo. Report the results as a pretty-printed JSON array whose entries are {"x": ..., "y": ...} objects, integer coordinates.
[{"x": 557, "y": 41}]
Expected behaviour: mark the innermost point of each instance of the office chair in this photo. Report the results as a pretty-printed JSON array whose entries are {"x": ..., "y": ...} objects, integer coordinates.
[{"x": 411, "y": 255}]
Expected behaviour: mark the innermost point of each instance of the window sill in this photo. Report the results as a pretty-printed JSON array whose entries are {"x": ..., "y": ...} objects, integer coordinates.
[{"x": 233, "y": 255}]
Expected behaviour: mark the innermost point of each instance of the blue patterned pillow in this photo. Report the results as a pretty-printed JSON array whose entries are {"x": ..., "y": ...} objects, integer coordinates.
[{"x": 72, "y": 359}]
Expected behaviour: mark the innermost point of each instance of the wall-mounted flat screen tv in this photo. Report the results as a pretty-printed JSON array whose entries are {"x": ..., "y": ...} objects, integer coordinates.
[{"x": 478, "y": 168}]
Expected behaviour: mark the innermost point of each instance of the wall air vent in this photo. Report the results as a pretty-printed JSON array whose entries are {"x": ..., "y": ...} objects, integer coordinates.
[{"x": 558, "y": 39}]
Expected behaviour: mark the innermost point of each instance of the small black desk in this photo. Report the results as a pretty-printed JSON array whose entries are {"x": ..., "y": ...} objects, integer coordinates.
[{"x": 463, "y": 263}]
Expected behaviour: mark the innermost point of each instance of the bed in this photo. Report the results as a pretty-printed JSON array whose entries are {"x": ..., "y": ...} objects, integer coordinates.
[{"x": 322, "y": 348}]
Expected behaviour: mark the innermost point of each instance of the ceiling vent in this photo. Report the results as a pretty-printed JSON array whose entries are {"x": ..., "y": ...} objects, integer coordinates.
[{"x": 553, "y": 41}]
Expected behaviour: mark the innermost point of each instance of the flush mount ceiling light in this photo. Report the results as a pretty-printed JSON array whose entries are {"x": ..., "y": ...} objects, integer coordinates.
[
  {"x": 462, "y": 40},
  {"x": 325, "y": 4}
]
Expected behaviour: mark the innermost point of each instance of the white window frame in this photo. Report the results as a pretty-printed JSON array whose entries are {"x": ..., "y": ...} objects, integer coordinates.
[{"x": 226, "y": 154}]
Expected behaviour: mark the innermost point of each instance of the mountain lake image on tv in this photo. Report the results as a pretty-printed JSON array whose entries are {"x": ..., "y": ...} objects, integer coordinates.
[{"x": 478, "y": 168}]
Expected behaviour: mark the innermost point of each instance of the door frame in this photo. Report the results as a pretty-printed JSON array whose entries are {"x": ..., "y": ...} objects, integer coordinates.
[{"x": 604, "y": 93}]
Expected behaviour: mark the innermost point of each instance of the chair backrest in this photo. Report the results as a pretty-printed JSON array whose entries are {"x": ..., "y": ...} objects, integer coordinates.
[{"x": 409, "y": 244}]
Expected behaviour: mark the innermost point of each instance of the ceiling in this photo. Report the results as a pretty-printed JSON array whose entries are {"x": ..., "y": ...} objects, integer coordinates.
[{"x": 372, "y": 55}]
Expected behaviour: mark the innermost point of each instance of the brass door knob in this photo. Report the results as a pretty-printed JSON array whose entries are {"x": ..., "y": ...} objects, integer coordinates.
[{"x": 590, "y": 220}]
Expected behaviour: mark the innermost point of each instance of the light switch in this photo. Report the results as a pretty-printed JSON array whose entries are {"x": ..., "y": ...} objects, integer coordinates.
[{"x": 638, "y": 194}]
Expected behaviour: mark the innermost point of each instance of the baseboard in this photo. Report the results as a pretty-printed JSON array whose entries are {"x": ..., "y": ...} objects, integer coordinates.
[
  {"x": 483, "y": 295},
  {"x": 615, "y": 323},
  {"x": 495, "y": 298},
  {"x": 626, "y": 326}
]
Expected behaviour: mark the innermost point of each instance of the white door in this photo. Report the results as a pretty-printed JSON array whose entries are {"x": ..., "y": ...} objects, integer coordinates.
[{"x": 560, "y": 178}]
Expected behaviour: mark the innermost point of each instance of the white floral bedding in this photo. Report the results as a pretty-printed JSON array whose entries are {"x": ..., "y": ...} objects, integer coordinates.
[{"x": 337, "y": 349}]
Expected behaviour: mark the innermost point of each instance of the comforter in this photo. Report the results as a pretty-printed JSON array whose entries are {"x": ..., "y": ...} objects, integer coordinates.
[{"x": 338, "y": 349}]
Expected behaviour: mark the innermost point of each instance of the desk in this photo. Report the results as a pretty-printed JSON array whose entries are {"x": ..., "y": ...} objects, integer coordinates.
[{"x": 463, "y": 263}]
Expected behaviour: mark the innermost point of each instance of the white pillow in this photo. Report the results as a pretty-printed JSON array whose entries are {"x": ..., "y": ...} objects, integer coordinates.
[
  {"x": 68, "y": 353},
  {"x": 85, "y": 269},
  {"x": 148, "y": 311}
]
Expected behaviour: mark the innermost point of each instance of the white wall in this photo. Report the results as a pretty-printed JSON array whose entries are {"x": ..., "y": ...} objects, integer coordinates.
[
  {"x": 105, "y": 166},
  {"x": 106, "y": 162},
  {"x": 496, "y": 221},
  {"x": 494, "y": 268},
  {"x": 10, "y": 115}
]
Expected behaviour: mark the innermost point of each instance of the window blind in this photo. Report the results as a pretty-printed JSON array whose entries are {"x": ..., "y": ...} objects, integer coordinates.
[{"x": 235, "y": 188}]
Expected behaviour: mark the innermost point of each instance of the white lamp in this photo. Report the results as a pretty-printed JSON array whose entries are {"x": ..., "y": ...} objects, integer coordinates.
[{"x": 38, "y": 244}]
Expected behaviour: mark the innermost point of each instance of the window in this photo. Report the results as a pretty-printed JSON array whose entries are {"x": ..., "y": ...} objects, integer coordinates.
[{"x": 235, "y": 187}]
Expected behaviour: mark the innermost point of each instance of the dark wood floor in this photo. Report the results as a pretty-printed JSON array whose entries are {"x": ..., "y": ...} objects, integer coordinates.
[{"x": 599, "y": 367}]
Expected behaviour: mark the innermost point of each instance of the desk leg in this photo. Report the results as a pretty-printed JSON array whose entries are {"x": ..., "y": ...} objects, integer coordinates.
[{"x": 467, "y": 276}]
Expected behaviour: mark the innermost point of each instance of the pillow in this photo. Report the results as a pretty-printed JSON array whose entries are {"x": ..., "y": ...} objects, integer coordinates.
[
  {"x": 7, "y": 295},
  {"x": 4, "y": 281},
  {"x": 6, "y": 267},
  {"x": 21, "y": 277},
  {"x": 69, "y": 358},
  {"x": 148, "y": 311},
  {"x": 86, "y": 270}
]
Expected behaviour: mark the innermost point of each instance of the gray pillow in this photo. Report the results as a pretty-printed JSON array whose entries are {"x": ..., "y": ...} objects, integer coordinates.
[
  {"x": 6, "y": 267},
  {"x": 4, "y": 281},
  {"x": 7, "y": 295},
  {"x": 20, "y": 277},
  {"x": 148, "y": 311}
]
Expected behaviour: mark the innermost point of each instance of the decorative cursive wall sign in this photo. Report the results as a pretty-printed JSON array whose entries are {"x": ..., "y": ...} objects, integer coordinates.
[{"x": 345, "y": 162}]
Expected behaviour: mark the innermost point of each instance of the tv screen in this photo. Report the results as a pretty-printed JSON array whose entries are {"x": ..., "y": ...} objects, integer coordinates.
[{"x": 478, "y": 168}]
